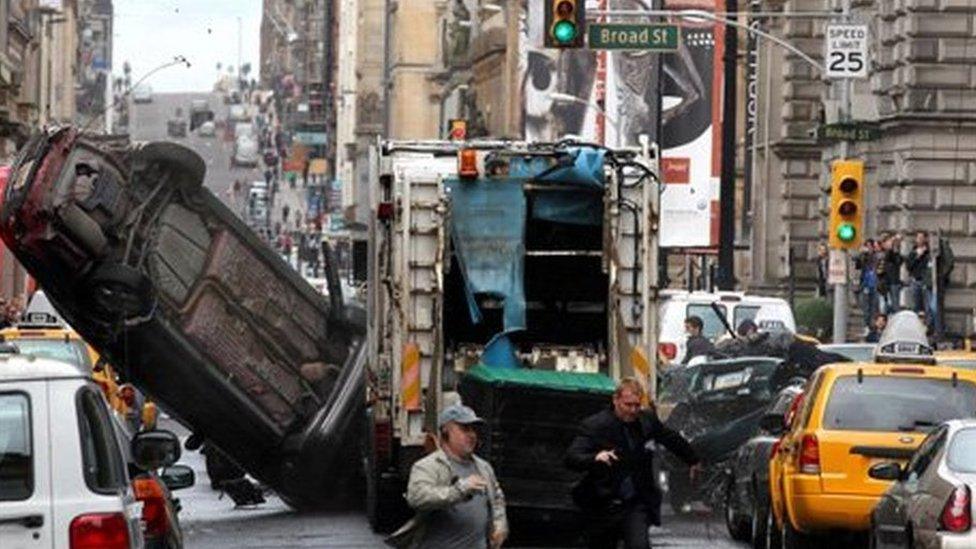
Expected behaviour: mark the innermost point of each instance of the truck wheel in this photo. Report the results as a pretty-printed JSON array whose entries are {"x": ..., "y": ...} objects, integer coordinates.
[{"x": 120, "y": 290}]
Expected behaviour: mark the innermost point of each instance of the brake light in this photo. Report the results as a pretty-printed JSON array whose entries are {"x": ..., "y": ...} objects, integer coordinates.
[
  {"x": 794, "y": 409},
  {"x": 809, "y": 455},
  {"x": 669, "y": 350},
  {"x": 774, "y": 449},
  {"x": 468, "y": 163},
  {"x": 148, "y": 490},
  {"x": 956, "y": 515},
  {"x": 904, "y": 370},
  {"x": 99, "y": 531}
]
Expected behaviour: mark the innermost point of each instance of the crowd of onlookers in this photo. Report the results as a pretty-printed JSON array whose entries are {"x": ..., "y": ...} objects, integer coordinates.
[{"x": 888, "y": 279}]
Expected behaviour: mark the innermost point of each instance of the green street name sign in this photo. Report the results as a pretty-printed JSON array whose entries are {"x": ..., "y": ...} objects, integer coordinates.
[
  {"x": 864, "y": 131},
  {"x": 611, "y": 36}
]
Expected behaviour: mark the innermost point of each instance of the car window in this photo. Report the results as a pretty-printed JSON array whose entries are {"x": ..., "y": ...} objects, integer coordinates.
[
  {"x": 71, "y": 351},
  {"x": 16, "y": 455},
  {"x": 922, "y": 457},
  {"x": 962, "y": 451},
  {"x": 103, "y": 466},
  {"x": 812, "y": 390},
  {"x": 712, "y": 324},
  {"x": 744, "y": 312},
  {"x": 881, "y": 403}
]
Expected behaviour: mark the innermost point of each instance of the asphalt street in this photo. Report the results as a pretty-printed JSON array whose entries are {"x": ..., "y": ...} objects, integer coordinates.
[{"x": 210, "y": 521}]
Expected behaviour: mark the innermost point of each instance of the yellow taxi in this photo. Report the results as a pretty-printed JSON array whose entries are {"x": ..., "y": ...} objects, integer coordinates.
[
  {"x": 42, "y": 333},
  {"x": 961, "y": 358},
  {"x": 852, "y": 416}
]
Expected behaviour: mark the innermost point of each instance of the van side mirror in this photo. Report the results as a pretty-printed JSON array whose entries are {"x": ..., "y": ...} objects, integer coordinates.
[
  {"x": 155, "y": 449},
  {"x": 888, "y": 470}
]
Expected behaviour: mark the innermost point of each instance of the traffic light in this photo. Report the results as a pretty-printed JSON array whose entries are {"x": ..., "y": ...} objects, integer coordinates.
[
  {"x": 565, "y": 23},
  {"x": 846, "y": 204}
]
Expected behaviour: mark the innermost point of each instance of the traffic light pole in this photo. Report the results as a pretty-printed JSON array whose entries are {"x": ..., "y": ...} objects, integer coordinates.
[{"x": 840, "y": 289}]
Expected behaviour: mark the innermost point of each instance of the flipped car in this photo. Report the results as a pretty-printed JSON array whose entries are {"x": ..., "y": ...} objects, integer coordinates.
[
  {"x": 718, "y": 411},
  {"x": 169, "y": 285}
]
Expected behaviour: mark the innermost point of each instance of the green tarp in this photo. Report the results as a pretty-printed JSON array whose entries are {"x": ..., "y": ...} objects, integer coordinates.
[{"x": 543, "y": 379}]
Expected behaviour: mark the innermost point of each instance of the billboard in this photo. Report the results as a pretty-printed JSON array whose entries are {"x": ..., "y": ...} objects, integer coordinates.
[{"x": 563, "y": 90}]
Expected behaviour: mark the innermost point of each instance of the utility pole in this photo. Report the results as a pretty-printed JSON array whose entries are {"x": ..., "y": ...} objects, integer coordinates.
[
  {"x": 726, "y": 244},
  {"x": 840, "y": 289}
]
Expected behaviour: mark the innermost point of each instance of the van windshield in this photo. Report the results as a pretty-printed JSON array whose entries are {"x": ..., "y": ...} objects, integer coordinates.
[
  {"x": 881, "y": 403},
  {"x": 713, "y": 327}
]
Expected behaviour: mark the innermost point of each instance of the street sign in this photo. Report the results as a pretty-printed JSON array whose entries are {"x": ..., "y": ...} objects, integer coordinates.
[
  {"x": 847, "y": 51},
  {"x": 850, "y": 131},
  {"x": 837, "y": 268},
  {"x": 610, "y": 36}
]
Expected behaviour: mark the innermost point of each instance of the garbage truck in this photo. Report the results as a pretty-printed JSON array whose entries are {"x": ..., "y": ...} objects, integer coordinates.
[
  {"x": 170, "y": 286},
  {"x": 519, "y": 278}
]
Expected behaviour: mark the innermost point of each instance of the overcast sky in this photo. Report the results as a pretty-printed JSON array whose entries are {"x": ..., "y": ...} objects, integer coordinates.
[{"x": 149, "y": 33}]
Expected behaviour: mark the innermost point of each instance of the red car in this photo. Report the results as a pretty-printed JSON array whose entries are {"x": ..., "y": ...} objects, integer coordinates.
[{"x": 163, "y": 279}]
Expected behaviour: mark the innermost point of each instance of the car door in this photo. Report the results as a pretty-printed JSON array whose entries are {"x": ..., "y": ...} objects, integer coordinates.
[
  {"x": 25, "y": 485},
  {"x": 925, "y": 502},
  {"x": 92, "y": 476},
  {"x": 914, "y": 494}
]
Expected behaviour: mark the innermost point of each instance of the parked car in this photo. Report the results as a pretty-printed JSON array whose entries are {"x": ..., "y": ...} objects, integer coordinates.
[
  {"x": 200, "y": 113},
  {"x": 853, "y": 415},
  {"x": 142, "y": 94},
  {"x": 207, "y": 129},
  {"x": 930, "y": 503},
  {"x": 73, "y": 494},
  {"x": 130, "y": 239},
  {"x": 245, "y": 152},
  {"x": 771, "y": 314},
  {"x": 746, "y": 505}
]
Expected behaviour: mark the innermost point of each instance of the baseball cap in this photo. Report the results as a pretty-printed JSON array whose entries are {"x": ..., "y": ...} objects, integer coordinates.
[{"x": 457, "y": 413}]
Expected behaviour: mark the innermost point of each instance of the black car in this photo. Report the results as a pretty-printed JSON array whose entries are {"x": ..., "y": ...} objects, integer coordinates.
[
  {"x": 746, "y": 502},
  {"x": 718, "y": 407}
]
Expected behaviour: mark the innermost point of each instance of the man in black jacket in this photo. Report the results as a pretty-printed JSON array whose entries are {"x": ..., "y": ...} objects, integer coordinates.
[{"x": 619, "y": 493}]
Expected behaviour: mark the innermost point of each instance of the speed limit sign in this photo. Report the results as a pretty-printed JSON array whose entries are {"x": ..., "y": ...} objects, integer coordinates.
[{"x": 847, "y": 51}]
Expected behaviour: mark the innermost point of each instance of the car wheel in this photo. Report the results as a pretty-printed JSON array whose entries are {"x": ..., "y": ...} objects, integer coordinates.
[
  {"x": 738, "y": 527},
  {"x": 120, "y": 290},
  {"x": 679, "y": 492},
  {"x": 219, "y": 467},
  {"x": 188, "y": 164}
]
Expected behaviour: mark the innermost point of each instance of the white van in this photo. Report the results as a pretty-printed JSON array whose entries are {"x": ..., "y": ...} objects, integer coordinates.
[
  {"x": 72, "y": 494},
  {"x": 771, "y": 314}
]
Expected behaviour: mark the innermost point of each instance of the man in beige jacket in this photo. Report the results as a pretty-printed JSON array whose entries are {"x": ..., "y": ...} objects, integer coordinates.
[{"x": 457, "y": 498}]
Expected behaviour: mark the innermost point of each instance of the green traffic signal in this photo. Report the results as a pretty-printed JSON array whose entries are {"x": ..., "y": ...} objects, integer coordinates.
[
  {"x": 564, "y": 31},
  {"x": 846, "y": 232}
]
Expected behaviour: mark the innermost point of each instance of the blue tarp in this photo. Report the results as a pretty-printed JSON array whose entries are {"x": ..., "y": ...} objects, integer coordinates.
[
  {"x": 580, "y": 167},
  {"x": 488, "y": 232}
]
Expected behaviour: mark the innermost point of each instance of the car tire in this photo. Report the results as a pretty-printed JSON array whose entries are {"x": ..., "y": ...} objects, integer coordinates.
[
  {"x": 679, "y": 492},
  {"x": 119, "y": 290},
  {"x": 740, "y": 529},
  {"x": 191, "y": 167},
  {"x": 759, "y": 523}
]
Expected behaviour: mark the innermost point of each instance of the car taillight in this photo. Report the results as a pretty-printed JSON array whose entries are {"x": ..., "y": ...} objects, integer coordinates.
[
  {"x": 794, "y": 408},
  {"x": 956, "y": 515},
  {"x": 775, "y": 448},
  {"x": 809, "y": 455},
  {"x": 669, "y": 350},
  {"x": 150, "y": 493},
  {"x": 99, "y": 531}
]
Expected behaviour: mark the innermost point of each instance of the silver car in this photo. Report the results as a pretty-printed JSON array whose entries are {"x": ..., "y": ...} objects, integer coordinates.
[{"x": 931, "y": 504}]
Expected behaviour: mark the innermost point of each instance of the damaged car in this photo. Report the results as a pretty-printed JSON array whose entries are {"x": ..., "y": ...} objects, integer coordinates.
[{"x": 166, "y": 282}]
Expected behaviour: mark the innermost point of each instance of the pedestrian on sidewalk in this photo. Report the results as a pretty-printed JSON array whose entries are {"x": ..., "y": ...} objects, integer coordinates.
[
  {"x": 455, "y": 493},
  {"x": 920, "y": 266},
  {"x": 892, "y": 262},
  {"x": 877, "y": 328},
  {"x": 823, "y": 268},
  {"x": 867, "y": 291},
  {"x": 619, "y": 495},
  {"x": 285, "y": 210}
]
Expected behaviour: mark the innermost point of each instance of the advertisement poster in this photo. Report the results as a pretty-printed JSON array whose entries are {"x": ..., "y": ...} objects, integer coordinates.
[{"x": 564, "y": 91}]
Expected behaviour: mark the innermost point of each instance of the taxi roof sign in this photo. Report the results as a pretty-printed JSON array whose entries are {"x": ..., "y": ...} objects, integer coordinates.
[{"x": 904, "y": 341}]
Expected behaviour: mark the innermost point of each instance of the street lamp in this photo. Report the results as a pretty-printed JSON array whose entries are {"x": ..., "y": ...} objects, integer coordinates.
[{"x": 566, "y": 98}]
